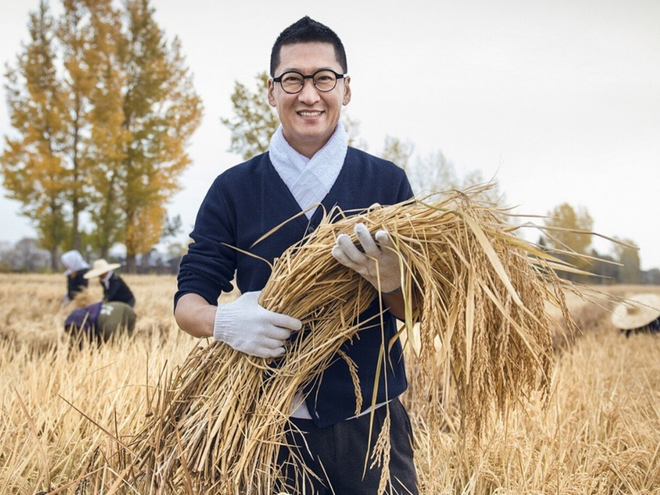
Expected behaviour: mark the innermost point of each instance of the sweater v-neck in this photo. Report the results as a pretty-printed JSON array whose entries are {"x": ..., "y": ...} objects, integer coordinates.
[{"x": 324, "y": 206}]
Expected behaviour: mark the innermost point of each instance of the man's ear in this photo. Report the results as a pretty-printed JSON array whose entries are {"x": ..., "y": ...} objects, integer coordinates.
[
  {"x": 347, "y": 91},
  {"x": 271, "y": 89}
]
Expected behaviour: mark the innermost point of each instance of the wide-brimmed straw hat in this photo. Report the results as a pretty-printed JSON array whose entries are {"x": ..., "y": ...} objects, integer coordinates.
[
  {"x": 636, "y": 311},
  {"x": 100, "y": 267}
]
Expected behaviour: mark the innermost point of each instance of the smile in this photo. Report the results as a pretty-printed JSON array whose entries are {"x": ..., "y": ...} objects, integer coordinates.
[{"x": 309, "y": 114}]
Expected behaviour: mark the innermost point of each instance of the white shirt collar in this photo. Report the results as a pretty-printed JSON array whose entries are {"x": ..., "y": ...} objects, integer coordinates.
[
  {"x": 309, "y": 180},
  {"x": 106, "y": 279}
]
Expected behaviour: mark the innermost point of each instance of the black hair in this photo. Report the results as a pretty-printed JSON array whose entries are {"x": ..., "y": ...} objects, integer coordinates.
[{"x": 307, "y": 30}]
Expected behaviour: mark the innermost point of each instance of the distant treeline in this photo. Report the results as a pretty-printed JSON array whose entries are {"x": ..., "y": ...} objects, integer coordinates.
[{"x": 25, "y": 256}]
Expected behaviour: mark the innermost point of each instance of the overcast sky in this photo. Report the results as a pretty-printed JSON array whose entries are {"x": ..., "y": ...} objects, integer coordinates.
[{"x": 559, "y": 100}]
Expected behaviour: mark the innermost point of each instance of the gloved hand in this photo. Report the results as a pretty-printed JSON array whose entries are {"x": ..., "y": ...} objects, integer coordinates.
[
  {"x": 365, "y": 264},
  {"x": 248, "y": 327}
]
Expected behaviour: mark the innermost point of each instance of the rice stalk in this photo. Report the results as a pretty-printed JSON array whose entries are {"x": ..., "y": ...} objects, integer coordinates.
[{"x": 469, "y": 283}]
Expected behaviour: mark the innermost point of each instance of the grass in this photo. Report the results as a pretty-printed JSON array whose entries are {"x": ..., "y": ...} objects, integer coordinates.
[{"x": 64, "y": 413}]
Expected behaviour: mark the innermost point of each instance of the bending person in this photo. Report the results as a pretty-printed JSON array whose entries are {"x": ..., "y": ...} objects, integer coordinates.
[
  {"x": 100, "y": 321},
  {"x": 76, "y": 268}
]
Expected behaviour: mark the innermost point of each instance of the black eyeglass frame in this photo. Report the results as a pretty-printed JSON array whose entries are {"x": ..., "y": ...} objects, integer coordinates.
[{"x": 311, "y": 76}]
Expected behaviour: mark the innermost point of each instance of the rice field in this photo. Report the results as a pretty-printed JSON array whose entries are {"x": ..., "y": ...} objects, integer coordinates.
[{"x": 66, "y": 413}]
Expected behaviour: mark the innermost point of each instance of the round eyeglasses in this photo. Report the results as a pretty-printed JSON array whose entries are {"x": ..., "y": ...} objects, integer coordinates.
[{"x": 324, "y": 80}]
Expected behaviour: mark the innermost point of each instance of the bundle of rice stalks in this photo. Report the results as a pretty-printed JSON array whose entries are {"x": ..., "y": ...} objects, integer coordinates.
[{"x": 220, "y": 420}]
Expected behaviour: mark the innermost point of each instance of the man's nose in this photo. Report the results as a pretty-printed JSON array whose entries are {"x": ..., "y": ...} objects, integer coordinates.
[{"x": 308, "y": 93}]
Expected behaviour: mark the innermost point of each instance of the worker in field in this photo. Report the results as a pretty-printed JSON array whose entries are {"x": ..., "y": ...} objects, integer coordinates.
[
  {"x": 308, "y": 163},
  {"x": 114, "y": 287},
  {"x": 98, "y": 322},
  {"x": 76, "y": 268},
  {"x": 638, "y": 314}
]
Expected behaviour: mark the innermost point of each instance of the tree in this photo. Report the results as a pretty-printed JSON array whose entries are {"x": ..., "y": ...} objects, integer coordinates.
[
  {"x": 171, "y": 226},
  {"x": 352, "y": 128},
  {"x": 64, "y": 125},
  {"x": 60, "y": 110},
  {"x": 25, "y": 256},
  {"x": 492, "y": 194},
  {"x": 5, "y": 250},
  {"x": 254, "y": 122},
  {"x": 398, "y": 152},
  {"x": 161, "y": 111},
  {"x": 432, "y": 173},
  {"x": 77, "y": 31},
  {"x": 627, "y": 254},
  {"x": 33, "y": 171},
  {"x": 605, "y": 267},
  {"x": 107, "y": 134},
  {"x": 568, "y": 233},
  {"x": 108, "y": 139},
  {"x": 568, "y": 229}
]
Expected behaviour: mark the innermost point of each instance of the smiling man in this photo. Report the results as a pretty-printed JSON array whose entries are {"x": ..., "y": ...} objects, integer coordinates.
[
  {"x": 308, "y": 163},
  {"x": 309, "y": 113}
]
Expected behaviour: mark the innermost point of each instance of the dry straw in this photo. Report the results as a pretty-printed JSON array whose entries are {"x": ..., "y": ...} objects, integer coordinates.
[{"x": 220, "y": 420}]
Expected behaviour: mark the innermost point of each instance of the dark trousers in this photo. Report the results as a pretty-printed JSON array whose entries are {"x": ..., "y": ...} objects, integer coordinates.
[{"x": 336, "y": 455}]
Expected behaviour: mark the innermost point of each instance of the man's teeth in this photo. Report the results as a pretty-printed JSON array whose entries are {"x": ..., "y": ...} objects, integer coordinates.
[{"x": 309, "y": 114}]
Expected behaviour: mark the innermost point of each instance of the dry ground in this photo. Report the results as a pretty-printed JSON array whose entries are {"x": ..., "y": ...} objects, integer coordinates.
[{"x": 62, "y": 410}]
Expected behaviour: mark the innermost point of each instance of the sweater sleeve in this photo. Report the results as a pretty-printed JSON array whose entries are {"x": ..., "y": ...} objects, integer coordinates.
[{"x": 208, "y": 267}]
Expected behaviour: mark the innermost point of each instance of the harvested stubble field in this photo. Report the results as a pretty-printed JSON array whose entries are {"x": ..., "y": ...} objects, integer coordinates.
[{"x": 63, "y": 410}]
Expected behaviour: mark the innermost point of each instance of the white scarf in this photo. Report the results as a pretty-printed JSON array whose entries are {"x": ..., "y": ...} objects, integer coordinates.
[
  {"x": 309, "y": 180},
  {"x": 106, "y": 279}
]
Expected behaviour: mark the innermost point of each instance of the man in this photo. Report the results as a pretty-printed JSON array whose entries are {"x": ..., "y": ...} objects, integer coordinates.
[{"x": 308, "y": 162}]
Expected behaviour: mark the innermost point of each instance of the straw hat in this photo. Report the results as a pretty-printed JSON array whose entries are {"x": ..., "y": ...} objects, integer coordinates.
[
  {"x": 100, "y": 267},
  {"x": 636, "y": 311}
]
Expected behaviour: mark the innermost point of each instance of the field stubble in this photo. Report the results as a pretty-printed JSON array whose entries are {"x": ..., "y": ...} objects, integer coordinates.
[{"x": 64, "y": 412}]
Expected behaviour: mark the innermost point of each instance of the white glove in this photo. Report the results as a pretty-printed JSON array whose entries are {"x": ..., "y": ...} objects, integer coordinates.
[
  {"x": 376, "y": 261},
  {"x": 248, "y": 327}
]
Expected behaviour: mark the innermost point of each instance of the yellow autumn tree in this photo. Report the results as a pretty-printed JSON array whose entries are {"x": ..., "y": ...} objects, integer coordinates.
[
  {"x": 567, "y": 233},
  {"x": 568, "y": 226},
  {"x": 90, "y": 38},
  {"x": 102, "y": 108},
  {"x": 33, "y": 169},
  {"x": 161, "y": 112},
  {"x": 108, "y": 137}
]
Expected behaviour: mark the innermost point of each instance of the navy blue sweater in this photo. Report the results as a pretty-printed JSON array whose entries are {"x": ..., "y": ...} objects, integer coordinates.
[{"x": 249, "y": 200}]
